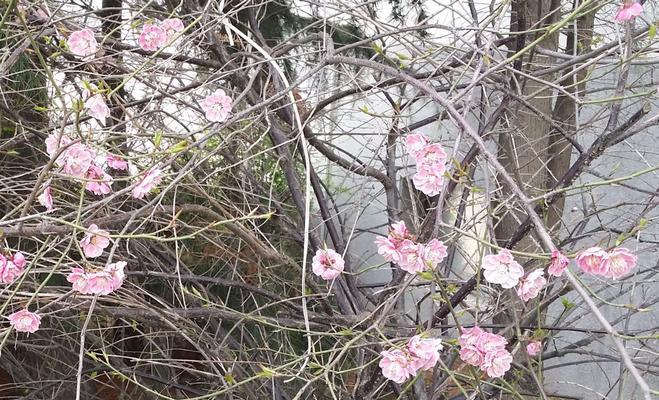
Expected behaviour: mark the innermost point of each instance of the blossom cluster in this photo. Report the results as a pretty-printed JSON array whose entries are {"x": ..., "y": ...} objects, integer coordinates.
[
  {"x": 82, "y": 162},
  {"x": 11, "y": 266},
  {"x": 430, "y": 163},
  {"x": 486, "y": 351},
  {"x": 400, "y": 248},
  {"x": 611, "y": 264},
  {"x": 155, "y": 36},
  {"x": 420, "y": 354},
  {"x": 328, "y": 264},
  {"x": 100, "y": 282}
]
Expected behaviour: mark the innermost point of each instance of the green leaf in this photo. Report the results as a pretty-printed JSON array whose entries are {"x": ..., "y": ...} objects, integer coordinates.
[
  {"x": 230, "y": 379},
  {"x": 157, "y": 138},
  {"x": 402, "y": 56},
  {"x": 567, "y": 304},
  {"x": 426, "y": 275},
  {"x": 179, "y": 147},
  {"x": 267, "y": 372},
  {"x": 652, "y": 31}
]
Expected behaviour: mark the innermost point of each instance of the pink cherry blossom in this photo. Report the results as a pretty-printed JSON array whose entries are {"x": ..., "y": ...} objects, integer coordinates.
[
  {"x": 148, "y": 182},
  {"x": 25, "y": 321},
  {"x": 429, "y": 178},
  {"x": 434, "y": 253},
  {"x": 628, "y": 11},
  {"x": 396, "y": 365},
  {"x": 558, "y": 264},
  {"x": 400, "y": 231},
  {"x": 171, "y": 27},
  {"x": 417, "y": 257},
  {"x": 470, "y": 336},
  {"x": 530, "y": 285},
  {"x": 97, "y": 108},
  {"x": 414, "y": 143},
  {"x": 77, "y": 160},
  {"x": 101, "y": 282},
  {"x": 11, "y": 267},
  {"x": 99, "y": 181},
  {"x": 152, "y": 37},
  {"x": 412, "y": 260},
  {"x": 591, "y": 261},
  {"x": 54, "y": 141},
  {"x": 534, "y": 348},
  {"x": 82, "y": 43},
  {"x": 328, "y": 264},
  {"x": 496, "y": 363},
  {"x": 396, "y": 244},
  {"x": 217, "y": 106},
  {"x": 502, "y": 269},
  {"x": 116, "y": 162},
  {"x": 471, "y": 355},
  {"x": 488, "y": 342},
  {"x": 95, "y": 241},
  {"x": 424, "y": 352},
  {"x": 478, "y": 346},
  {"x": 431, "y": 155},
  {"x": 470, "y": 350},
  {"x": 619, "y": 262},
  {"x": 46, "y": 198}
]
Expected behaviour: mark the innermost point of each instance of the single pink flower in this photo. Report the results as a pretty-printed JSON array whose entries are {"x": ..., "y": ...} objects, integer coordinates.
[
  {"x": 117, "y": 273},
  {"x": 399, "y": 231},
  {"x": 431, "y": 155},
  {"x": 97, "y": 108},
  {"x": 529, "y": 286},
  {"x": 619, "y": 262},
  {"x": 411, "y": 260},
  {"x": 217, "y": 106},
  {"x": 502, "y": 269},
  {"x": 396, "y": 365},
  {"x": 171, "y": 27},
  {"x": 491, "y": 342},
  {"x": 558, "y": 264},
  {"x": 149, "y": 181},
  {"x": 472, "y": 355},
  {"x": 414, "y": 143},
  {"x": 77, "y": 160},
  {"x": 628, "y": 11},
  {"x": 429, "y": 178},
  {"x": 152, "y": 37},
  {"x": 46, "y": 198},
  {"x": 18, "y": 259},
  {"x": 25, "y": 321},
  {"x": 76, "y": 276},
  {"x": 328, "y": 264},
  {"x": 101, "y": 282},
  {"x": 496, "y": 363},
  {"x": 95, "y": 241},
  {"x": 11, "y": 267},
  {"x": 393, "y": 247},
  {"x": 534, "y": 348},
  {"x": 116, "y": 162},
  {"x": 591, "y": 261},
  {"x": 82, "y": 43},
  {"x": 424, "y": 352},
  {"x": 99, "y": 182},
  {"x": 54, "y": 141},
  {"x": 470, "y": 336},
  {"x": 434, "y": 253}
]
